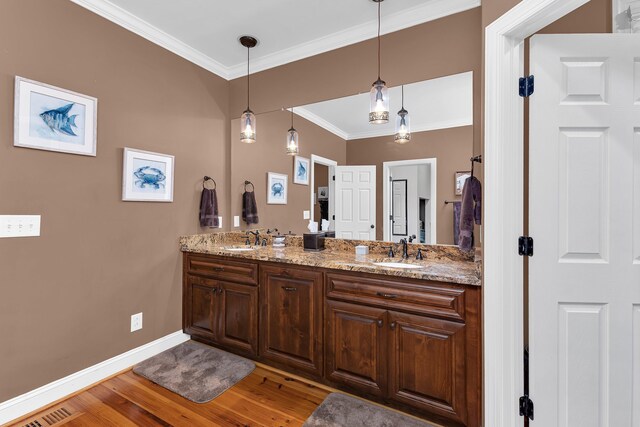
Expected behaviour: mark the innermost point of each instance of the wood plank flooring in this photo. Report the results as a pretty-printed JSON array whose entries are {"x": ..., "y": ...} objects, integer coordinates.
[{"x": 264, "y": 398}]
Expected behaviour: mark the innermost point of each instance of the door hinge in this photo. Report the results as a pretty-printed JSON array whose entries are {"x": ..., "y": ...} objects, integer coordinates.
[
  {"x": 334, "y": 217},
  {"x": 333, "y": 177},
  {"x": 526, "y": 407},
  {"x": 525, "y": 246},
  {"x": 526, "y": 86},
  {"x": 390, "y": 217}
]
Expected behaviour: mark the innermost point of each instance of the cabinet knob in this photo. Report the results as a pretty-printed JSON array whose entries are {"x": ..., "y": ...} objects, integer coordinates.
[
  {"x": 380, "y": 323},
  {"x": 220, "y": 290},
  {"x": 384, "y": 295},
  {"x": 289, "y": 288},
  {"x": 392, "y": 325}
]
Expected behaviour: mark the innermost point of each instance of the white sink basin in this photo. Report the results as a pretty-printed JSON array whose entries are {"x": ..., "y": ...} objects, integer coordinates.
[
  {"x": 396, "y": 265},
  {"x": 238, "y": 249}
]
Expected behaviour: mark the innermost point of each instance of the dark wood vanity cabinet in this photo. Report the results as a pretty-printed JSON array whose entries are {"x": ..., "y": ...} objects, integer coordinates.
[
  {"x": 218, "y": 310},
  {"x": 403, "y": 341},
  {"x": 291, "y": 317}
]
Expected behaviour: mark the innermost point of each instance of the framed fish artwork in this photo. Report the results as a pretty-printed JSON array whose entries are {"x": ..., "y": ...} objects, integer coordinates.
[
  {"x": 300, "y": 170},
  {"x": 147, "y": 176},
  {"x": 54, "y": 119},
  {"x": 277, "y": 188}
]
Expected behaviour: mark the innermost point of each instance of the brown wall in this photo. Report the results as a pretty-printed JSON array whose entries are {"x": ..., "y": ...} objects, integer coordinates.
[
  {"x": 446, "y": 46},
  {"x": 66, "y": 297},
  {"x": 252, "y": 162},
  {"x": 452, "y": 147}
]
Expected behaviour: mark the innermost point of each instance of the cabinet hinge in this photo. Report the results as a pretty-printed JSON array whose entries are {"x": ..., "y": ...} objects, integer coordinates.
[
  {"x": 526, "y": 407},
  {"x": 525, "y": 246},
  {"x": 526, "y": 86}
]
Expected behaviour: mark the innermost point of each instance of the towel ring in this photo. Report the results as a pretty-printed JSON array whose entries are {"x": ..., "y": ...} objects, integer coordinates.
[
  {"x": 249, "y": 183},
  {"x": 208, "y": 178}
]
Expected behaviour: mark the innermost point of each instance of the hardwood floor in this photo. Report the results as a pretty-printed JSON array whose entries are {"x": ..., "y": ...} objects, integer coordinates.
[{"x": 264, "y": 398}]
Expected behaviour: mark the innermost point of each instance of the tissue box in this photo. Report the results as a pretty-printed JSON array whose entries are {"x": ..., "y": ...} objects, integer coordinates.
[
  {"x": 313, "y": 241},
  {"x": 362, "y": 250}
]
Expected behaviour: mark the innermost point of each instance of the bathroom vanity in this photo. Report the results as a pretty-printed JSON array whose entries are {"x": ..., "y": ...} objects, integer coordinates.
[{"x": 406, "y": 337}]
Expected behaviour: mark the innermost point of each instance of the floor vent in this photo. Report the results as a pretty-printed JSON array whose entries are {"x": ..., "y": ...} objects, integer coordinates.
[{"x": 49, "y": 419}]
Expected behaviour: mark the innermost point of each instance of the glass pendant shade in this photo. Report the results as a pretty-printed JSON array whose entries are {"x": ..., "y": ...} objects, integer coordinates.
[
  {"x": 292, "y": 142},
  {"x": 379, "y": 103},
  {"x": 403, "y": 127},
  {"x": 248, "y": 127}
]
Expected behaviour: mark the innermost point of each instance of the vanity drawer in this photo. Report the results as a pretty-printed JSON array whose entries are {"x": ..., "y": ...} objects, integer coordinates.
[
  {"x": 429, "y": 298},
  {"x": 224, "y": 269}
]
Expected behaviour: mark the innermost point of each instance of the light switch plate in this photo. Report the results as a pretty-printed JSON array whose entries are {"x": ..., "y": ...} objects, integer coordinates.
[
  {"x": 236, "y": 221},
  {"x": 219, "y": 222},
  {"x": 19, "y": 225},
  {"x": 306, "y": 214}
]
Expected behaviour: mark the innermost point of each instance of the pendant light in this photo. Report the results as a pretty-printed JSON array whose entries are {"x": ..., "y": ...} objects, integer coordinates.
[
  {"x": 379, "y": 95},
  {"x": 292, "y": 138},
  {"x": 248, "y": 119},
  {"x": 403, "y": 125}
]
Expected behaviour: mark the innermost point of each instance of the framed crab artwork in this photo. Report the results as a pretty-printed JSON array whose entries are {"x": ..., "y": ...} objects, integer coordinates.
[
  {"x": 147, "y": 176},
  {"x": 54, "y": 119},
  {"x": 277, "y": 188}
]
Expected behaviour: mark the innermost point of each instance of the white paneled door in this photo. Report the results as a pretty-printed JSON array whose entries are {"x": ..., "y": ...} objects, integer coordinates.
[
  {"x": 355, "y": 202},
  {"x": 584, "y": 276}
]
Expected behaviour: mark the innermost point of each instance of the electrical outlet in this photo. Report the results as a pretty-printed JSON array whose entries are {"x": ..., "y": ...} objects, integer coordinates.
[
  {"x": 236, "y": 221},
  {"x": 306, "y": 214},
  {"x": 136, "y": 322},
  {"x": 19, "y": 225}
]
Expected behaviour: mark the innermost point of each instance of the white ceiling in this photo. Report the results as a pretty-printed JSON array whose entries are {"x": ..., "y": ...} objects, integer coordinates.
[
  {"x": 206, "y": 32},
  {"x": 440, "y": 103}
]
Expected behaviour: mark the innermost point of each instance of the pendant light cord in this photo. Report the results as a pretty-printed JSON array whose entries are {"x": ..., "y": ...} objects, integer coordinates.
[
  {"x": 248, "y": 77},
  {"x": 291, "y": 117},
  {"x": 402, "y": 97},
  {"x": 380, "y": 1}
]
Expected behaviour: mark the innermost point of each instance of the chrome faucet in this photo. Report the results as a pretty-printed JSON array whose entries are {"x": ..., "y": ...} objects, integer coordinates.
[{"x": 405, "y": 255}]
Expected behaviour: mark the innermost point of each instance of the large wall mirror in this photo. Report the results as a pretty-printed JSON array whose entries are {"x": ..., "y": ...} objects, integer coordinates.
[{"x": 366, "y": 185}]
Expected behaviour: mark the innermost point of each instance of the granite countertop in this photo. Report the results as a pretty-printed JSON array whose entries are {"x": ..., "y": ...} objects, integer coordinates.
[{"x": 438, "y": 265}]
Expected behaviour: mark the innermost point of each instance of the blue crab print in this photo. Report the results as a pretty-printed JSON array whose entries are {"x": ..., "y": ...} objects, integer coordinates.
[
  {"x": 277, "y": 189},
  {"x": 149, "y": 177}
]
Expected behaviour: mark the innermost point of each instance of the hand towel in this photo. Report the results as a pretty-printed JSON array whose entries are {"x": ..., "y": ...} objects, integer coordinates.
[
  {"x": 249, "y": 208},
  {"x": 456, "y": 221},
  {"x": 209, "y": 208},
  {"x": 470, "y": 212}
]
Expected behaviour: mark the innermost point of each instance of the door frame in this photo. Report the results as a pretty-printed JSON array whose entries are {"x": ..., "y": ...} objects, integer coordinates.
[
  {"x": 331, "y": 164},
  {"x": 504, "y": 204},
  {"x": 386, "y": 191}
]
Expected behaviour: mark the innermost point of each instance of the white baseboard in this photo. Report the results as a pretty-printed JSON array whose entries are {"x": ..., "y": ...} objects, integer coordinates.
[{"x": 56, "y": 390}]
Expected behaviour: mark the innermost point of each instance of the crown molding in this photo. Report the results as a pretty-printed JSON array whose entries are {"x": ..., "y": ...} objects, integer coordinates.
[
  {"x": 391, "y": 23},
  {"x": 127, "y": 20},
  {"x": 324, "y": 124}
]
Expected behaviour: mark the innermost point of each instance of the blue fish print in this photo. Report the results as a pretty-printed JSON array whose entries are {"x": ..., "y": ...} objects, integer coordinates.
[
  {"x": 59, "y": 120},
  {"x": 302, "y": 171},
  {"x": 149, "y": 177}
]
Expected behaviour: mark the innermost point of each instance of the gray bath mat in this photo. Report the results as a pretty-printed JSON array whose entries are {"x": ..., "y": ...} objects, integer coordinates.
[
  {"x": 195, "y": 371},
  {"x": 340, "y": 410}
]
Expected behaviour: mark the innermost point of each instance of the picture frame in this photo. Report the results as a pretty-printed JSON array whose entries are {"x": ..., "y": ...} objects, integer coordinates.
[
  {"x": 147, "y": 176},
  {"x": 323, "y": 193},
  {"x": 301, "y": 170},
  {"x": 54, "y": 119},
  {"x": 277, "y": 188},
  {"x": 461, "y": 177}
]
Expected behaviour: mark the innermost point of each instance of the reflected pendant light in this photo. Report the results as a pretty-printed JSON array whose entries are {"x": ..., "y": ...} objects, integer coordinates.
[
  {"x": 248, "y": 119},
  {"x": 379, "y": 95},
  {"x": 403, "y": 125},
  {"x": 292, "y": 138}
]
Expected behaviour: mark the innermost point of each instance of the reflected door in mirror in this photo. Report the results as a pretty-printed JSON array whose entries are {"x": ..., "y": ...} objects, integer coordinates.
[{"x": 355, "y": 202}]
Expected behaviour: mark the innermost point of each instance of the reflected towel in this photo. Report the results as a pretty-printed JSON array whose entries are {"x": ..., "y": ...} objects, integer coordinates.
[
  {"x": 209, "y": 208},
  {"x": 249, "y": 208},
  {"x": 456, "y": 221},
  {"x": 470, "y": 212}
]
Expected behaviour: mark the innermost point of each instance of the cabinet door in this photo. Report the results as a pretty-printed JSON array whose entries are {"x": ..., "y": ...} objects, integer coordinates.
[
  {"x": 427, "y": 364},
  {"x": 238, "y": 317},
  {"x": 201, "y": 307},
  {"x": 291, "y": 317},
  {"x": 355, "y": 339}
]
